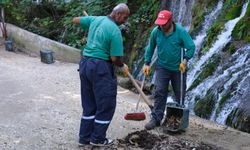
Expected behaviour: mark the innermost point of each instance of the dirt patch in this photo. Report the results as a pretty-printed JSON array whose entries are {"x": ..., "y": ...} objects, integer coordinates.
[
  {"x": 146, "y": 140},
  {"x": 141, "y": 139}
]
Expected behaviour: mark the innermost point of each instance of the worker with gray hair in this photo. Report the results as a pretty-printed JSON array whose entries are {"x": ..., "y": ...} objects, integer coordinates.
[{"x": 104, "y": 49}]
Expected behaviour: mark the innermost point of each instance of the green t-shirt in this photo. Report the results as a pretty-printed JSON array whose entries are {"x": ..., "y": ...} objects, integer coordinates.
[
  {"x": 104, "y": 37},
  {"x": 169, "y": 47}
]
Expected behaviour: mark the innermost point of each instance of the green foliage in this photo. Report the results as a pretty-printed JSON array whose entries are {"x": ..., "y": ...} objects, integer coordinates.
[
  {"x": 233, "y": 13},
  {"x": 231, "y": 9},
  {"x": 230, "y": 48},
  {"x": 241, "y": 30},
  {"x": 4, "y": 2},
  {"x": 52, "y": 20},
  {"x": 207, "y": 70},
  {"x": 146, "y": 13}
]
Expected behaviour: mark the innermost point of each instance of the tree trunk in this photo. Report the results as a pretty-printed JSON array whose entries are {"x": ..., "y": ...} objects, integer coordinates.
[
  {"x": 165, "y": 4},
  {"x": 3, "y": 24}
]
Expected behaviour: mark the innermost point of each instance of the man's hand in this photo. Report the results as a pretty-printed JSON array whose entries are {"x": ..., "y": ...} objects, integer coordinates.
[
  {"x": 76, "y": 20},
  {"x": 182, "y": 66},
  {"x": 146, "y": 69},
  {"x": 124, "y": 70}
]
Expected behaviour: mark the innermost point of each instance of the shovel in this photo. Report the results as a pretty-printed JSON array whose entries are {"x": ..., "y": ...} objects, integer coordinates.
[{"x": 177, "y": 118}]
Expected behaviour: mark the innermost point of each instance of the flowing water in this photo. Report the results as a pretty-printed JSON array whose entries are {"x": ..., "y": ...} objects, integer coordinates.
[
  {"x": 219, "y": 44},
  {"x": 239, "y": 66},
  {"x": 239, "y": 70}
]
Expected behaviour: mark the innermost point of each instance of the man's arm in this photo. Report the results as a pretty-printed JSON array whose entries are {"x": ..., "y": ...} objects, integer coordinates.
[
  {"x": 151, "y": 47},
  {"x": 84, "y": 22},
  {"x": 188, "y": 45}
]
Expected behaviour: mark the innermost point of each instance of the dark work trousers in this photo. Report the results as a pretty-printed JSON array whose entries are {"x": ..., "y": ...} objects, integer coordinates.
[
  {"x": 163, "y": 76},
  {"x": 98, "y": 94}
]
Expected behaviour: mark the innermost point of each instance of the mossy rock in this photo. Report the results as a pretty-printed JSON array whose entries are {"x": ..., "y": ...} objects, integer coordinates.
[
  {"x": 212, "y": 34},
  {"x": 230, "y": 48},
  {"x": 238, "y": 119},
  {"x": 204, "y": 107}
]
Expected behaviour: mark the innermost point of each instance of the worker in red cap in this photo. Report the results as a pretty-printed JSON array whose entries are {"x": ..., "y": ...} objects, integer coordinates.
[{"x": 170, "y": 39}]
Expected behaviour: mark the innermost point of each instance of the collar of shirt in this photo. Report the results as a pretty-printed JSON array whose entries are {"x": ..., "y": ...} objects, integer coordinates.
[
  {"x": 111, "y": 18},
  {"x": 159, "y": 28}
]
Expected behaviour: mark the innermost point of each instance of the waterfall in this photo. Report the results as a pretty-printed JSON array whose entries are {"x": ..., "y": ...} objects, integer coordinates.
[
  {"x": 208, "y": 21},
  {"x": 242, "y": 64},
  {"x": 221, "y": 41},
  {"x": 239, "y": 60},
  {"x": 182, "y": 10},
  {"x": 238, "y": 67}
]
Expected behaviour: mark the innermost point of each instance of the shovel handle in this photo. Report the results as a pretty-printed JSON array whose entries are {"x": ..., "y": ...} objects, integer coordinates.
[
  {"x": 146, "y": 100},
  {"x": 181, "y": 86}
]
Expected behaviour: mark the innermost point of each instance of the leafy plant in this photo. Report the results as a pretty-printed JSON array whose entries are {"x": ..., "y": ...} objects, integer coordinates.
[{"x": 3, "y": 4}]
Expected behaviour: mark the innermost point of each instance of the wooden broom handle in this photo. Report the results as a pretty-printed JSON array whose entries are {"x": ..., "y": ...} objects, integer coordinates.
[{"x": 146, "y": 100}]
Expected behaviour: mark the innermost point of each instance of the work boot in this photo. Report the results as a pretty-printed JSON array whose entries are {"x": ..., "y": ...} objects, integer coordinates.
[{"x": 152, "y": 124}]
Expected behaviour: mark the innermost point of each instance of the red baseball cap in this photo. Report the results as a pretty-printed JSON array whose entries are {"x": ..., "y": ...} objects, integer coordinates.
[{"x": 163, "y": 17}]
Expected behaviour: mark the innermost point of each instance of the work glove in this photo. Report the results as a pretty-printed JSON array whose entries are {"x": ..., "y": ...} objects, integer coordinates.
[
  {"x": 146, "y": 69},
  {"x": 182, "y": 66},
  {"x": 124, "y": 70}
]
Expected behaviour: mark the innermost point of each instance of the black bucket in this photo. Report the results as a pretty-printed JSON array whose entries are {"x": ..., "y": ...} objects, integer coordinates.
[
  {"x": 47, "y": 56},
  {"x": 9, "y": 45}
]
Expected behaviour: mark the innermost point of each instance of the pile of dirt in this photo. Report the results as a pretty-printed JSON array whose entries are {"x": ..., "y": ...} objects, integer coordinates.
[
  {"x": 145, "y": 140},
  {"x": 141, "y": 139}
]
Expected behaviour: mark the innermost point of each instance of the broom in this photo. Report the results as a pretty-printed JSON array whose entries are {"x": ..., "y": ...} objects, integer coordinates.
[{"x": 138, "y": 116}]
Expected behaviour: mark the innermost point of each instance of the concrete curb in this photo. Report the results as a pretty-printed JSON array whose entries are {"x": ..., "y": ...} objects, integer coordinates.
[{"x": 32, "y": 44}]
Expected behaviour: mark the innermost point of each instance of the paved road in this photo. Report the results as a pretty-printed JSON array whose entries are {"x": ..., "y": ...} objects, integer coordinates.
[
  {"x": 40, "y": 109},
  {"x": 40, "y": 105}
]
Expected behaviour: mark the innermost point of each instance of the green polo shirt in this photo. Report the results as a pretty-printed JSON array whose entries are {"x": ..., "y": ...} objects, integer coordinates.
[
  {"x": 104, "y": 37},
  {"x": 169, "y": 47}
]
